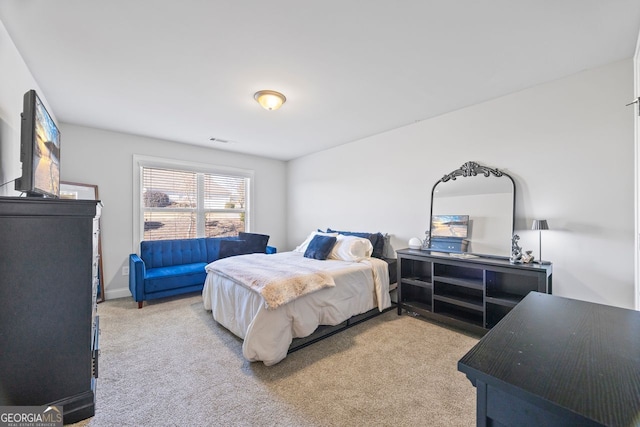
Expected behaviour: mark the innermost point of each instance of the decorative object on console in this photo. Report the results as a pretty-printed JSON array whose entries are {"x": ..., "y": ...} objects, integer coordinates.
[
  {"x": 540, "y": 224},
  {"x": 454, "y": 226},
  {"x": 270, "y": 99},
  {"x": 415, "y": 243},
  {"x": 449, "y": 232},
  {"x": 516, "y": 250},
  {"x": 426, "y": 243},
  {"x": 527, "y": 258}
]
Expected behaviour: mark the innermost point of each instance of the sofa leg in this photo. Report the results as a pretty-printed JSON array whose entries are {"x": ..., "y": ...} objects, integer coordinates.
[{"x": 140, "y": 304}]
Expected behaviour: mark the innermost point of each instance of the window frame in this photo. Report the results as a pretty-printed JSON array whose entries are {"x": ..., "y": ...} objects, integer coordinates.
[{"x": 142, "y": 161}]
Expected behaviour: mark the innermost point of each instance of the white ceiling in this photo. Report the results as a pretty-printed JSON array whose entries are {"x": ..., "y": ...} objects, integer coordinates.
[{"x": 186, "y": 70}]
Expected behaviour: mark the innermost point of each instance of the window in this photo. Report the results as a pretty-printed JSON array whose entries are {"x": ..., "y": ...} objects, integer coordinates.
[{"x": 181, "y": 201}]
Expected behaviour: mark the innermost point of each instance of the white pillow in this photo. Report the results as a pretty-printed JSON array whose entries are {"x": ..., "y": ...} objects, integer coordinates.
[
  {"x": 351, "y": 248},
  {"x": 303, "y": 246}
]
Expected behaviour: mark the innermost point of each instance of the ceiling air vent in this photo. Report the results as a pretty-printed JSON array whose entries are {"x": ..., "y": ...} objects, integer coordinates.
[{"x": 223, "y": 141}]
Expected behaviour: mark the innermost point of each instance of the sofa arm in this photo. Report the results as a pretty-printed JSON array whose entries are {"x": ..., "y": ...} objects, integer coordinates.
[{"x": 137, "y": 271}]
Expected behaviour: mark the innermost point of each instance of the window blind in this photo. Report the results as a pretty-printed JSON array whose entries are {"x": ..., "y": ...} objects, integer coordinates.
[{"x": 179, "y": 204}]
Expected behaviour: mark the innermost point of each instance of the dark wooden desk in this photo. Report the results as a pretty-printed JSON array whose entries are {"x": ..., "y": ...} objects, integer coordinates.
[{"x": 555, "y": 361}]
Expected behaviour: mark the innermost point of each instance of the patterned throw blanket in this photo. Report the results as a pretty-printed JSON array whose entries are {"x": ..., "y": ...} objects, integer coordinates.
[{"x": 278, "y": 283}]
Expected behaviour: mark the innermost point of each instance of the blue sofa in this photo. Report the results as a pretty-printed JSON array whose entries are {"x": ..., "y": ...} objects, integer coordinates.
[{"x": 173, "y": 267}]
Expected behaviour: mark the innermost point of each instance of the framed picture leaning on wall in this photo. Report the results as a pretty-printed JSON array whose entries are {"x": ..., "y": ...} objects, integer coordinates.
[{"x": 78, "y": 191}]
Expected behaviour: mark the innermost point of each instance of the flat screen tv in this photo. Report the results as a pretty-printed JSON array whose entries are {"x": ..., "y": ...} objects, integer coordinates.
[
  {"x": 39, "y": 150},
  {"x": 456, "y": 226}
]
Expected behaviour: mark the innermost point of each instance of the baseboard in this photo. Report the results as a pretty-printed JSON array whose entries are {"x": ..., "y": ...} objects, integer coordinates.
[{"x": 117, "y": 293}]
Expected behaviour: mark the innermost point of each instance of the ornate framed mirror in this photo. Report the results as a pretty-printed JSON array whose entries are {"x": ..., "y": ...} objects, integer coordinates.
[{"x": 473, "y": 211}]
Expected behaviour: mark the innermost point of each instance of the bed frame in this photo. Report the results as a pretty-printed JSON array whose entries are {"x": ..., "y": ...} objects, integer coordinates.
[{"x": 325, "y": 331}]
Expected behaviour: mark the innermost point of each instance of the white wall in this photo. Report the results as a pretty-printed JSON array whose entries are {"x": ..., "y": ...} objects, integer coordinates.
[
  {"x": 568, "y": 144},
  {"x": 16, "y": 80},
  {"x": 105, "y": 158}
]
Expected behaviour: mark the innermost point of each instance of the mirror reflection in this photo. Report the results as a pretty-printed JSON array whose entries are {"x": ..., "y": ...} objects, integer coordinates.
[{"x": 472, "y": 210}]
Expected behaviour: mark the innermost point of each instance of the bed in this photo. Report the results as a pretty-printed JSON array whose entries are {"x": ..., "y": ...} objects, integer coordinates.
[{"x": 344, "y": 288}]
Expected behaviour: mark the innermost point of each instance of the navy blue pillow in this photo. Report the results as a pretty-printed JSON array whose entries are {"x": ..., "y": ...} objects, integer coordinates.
[
  {"x": 320, "y": 247},
  {"x": 257, "y": 243},
  {"x": 376, "y": 239},
  {"x": 232, "y": 248},
  {"x": 213, "y": 246}
]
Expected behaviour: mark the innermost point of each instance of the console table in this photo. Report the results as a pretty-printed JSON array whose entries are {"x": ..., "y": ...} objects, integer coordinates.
[
  {"x": 470, "y": 292},
  {"x": 558, "y": 362}
]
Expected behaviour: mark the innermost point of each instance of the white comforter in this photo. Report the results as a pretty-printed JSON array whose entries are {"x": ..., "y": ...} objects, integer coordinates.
[{"x": 267, "y": 334}]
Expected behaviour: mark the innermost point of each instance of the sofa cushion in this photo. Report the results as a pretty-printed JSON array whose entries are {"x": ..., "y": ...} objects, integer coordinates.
[
  {"x": 179, "y": 276},
  {"x": 256, "y": 243},
  {"x": 213, "y": 246},
  {"x": 166, "y": 253},
  {"x": 233, "y": 247}
]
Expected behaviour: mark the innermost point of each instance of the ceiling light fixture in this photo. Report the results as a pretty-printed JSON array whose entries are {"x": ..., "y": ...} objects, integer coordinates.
[{"x": 270, "y": 99}]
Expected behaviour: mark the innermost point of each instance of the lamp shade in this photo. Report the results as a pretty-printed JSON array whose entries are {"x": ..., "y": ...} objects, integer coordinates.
[
  {"x": 270, "y": 99},
  {"x": 539, "y": 224}
]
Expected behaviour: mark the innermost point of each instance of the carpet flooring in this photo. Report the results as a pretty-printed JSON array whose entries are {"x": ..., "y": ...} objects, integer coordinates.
[{"x": 171, "y": 364}]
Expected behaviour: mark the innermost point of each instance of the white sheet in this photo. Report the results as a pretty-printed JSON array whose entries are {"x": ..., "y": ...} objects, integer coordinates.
[{"x": 267, "y": 334}]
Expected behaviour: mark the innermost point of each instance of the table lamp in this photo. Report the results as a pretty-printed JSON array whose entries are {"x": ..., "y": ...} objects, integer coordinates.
[{"x": 540, "y": 224}]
